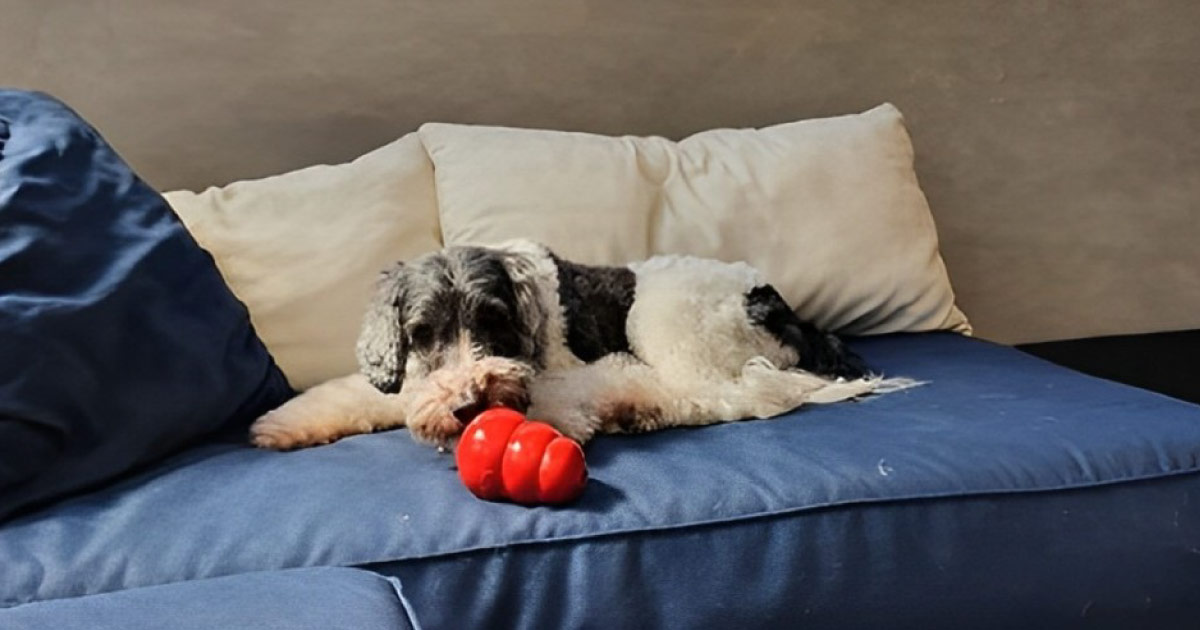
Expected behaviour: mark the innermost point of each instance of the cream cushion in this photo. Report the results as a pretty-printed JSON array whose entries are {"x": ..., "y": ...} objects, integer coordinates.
[
  {"x": 829, "y": 209},
  {"x": 302, "y": 249}
]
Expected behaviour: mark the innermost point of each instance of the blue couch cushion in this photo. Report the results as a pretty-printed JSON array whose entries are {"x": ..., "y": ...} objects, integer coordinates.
[
  {"x": 120, "y": 340},
  {"x": 301, "y": 599},
  {"x": 1006, "y": 489}
]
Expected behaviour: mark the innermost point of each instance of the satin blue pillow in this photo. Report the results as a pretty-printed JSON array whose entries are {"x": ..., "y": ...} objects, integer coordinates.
[{"x": 119, "y": 340}]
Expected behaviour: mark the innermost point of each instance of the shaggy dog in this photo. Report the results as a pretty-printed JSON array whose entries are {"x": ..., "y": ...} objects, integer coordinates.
[{"x": 671, "y": 341}]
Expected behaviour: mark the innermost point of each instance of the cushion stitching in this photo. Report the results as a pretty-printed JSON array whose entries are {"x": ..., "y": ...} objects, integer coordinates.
[
  {"x": 788, "y": 511},
  {"x": 655, "y": 529},
  {"x": 410, "y": 614}
]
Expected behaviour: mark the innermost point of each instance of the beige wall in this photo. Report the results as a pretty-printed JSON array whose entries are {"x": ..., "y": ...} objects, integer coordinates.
[{"x": 1059, "y": 142}]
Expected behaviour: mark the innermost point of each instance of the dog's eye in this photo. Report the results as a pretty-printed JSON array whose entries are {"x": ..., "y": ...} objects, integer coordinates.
[
  {"x": 490, "y": 319},
  {"x": 420, "y": 335},
  {"x": 490, "y": 316}
]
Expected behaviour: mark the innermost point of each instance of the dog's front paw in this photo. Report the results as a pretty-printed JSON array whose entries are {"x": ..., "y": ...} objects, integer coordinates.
[
  {"x": 436, "y": 430},
  {"x": 432, "y": 421},
  {"x": 626, "y": 417},
  {"x": 500, "y": 381},
  {"x": 274, "y": 431}
]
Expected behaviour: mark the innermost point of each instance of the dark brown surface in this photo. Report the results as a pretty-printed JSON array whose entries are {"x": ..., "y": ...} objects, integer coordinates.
[{"x": 1162, "y": 362}]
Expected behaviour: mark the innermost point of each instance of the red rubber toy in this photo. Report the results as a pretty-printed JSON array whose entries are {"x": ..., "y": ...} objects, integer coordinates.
[{"x": 503, "y": 455}]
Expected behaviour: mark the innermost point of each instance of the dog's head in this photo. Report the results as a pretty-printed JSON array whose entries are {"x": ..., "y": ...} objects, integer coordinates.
[{"x": 456, "y": 331}]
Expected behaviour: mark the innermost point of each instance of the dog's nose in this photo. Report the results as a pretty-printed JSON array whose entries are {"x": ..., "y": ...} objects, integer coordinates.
[{"x": 467, "y": 412}]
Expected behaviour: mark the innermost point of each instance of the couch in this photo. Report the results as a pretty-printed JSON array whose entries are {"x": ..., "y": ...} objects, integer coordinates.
[{"x": 1004, "y": 492}]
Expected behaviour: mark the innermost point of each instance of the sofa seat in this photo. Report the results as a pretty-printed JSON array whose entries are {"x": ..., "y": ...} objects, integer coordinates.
[{"x": 1004, "y": 491}]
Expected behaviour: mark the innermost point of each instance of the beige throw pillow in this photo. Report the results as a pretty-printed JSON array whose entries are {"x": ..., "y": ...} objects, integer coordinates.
[
  {"x": 829, "y": 209},
  {"x": 302, "y": 249}
]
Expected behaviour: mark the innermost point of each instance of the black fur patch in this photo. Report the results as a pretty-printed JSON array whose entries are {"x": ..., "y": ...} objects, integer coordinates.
[
  {"x": 596, "y": 301},
  {"x": 820, "y": 353}
]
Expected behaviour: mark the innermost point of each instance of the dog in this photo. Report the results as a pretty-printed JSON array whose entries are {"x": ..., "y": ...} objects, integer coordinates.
[{"x": 671, "y": 341}]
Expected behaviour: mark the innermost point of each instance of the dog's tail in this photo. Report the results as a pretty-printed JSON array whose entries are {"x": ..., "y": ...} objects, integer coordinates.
[{"x": 768, "y": 391}]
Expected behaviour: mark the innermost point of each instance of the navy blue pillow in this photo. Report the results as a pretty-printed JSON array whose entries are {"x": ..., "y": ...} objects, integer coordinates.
[{"x": 119, "y": 340}]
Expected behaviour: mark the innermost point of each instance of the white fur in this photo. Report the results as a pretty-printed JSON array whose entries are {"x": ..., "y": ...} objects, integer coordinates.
[
  {"x": 699, "y": 360},
  {"x": 332, "y": 410},
  {"x": 688, "y": 319},
  {"x": 696, "y": 359}
]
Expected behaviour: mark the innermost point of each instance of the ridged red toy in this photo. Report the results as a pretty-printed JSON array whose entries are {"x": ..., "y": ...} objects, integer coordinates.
[{"x": 504, "y": 455}]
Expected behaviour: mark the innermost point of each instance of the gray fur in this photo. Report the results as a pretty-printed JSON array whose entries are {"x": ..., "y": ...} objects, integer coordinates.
[
  {"x": 381, "y": 342},
  {"x": 531, "y": 312}
]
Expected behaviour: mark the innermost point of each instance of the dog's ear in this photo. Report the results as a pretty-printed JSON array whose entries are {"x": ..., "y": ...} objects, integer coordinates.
[
  {"x": 530, "y": 311},
  {"x": 382, "y": 348}
]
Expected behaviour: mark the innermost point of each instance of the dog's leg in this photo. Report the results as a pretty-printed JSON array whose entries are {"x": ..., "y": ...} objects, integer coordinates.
[
  {"x": 332, "y": 410},
  {"x": 562, "y": 398},
  {"x": 819, "y": 352},
  {"x": 762, "y": 391},
  {"x": 619, "y": 394},
  {"x": 578, "y": 401}
]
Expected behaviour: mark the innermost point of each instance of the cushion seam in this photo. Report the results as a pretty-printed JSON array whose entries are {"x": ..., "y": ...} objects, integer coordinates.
[
  {"x": 9, "y": 605},
  {"x": 366, "y": 565},
  {"x": 410, "y": 614},
  {"x": 782, "y": 512}
]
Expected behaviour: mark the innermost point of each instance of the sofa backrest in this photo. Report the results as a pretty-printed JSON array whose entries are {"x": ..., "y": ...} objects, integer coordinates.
[{"x": 1055, "y": 142}]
